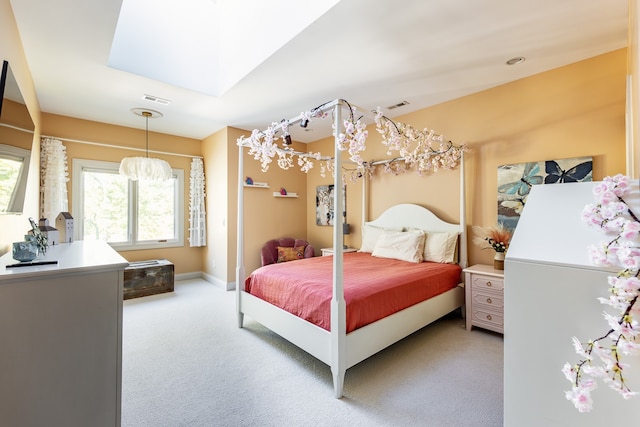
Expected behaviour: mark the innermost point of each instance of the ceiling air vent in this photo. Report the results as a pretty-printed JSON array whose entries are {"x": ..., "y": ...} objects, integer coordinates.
[
  {"x": 155, "y": 99},
  {"x": 398, "y": 105}
]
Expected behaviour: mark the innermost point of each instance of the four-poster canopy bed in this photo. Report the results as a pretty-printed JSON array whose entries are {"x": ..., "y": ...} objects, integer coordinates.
[{"x": 340, "y": 334}]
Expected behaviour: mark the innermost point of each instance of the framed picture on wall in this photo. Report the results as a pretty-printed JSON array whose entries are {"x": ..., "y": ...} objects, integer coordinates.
[
  {"x": 515, "y": 182},
  {"x": 325, "y": 212}
]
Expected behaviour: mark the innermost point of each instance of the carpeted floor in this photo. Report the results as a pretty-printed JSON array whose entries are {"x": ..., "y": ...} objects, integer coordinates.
[{"x": 186, "y": 363}]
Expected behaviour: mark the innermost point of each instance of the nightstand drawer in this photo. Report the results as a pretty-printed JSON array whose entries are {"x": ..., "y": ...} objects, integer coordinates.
[
  {"x": 488, "y": 299},
  {"x": 487, "y": 282},
  {"x": 488, "y": 318}
]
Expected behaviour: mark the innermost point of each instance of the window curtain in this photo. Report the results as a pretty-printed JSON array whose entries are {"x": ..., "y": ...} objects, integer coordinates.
[
  {"x": 53, "y": 179},
  {"x": 197, "y": 217}
]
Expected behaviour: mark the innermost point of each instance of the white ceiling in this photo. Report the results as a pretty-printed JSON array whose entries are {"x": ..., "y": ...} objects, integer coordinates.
[{"x": 370, "y": 52}]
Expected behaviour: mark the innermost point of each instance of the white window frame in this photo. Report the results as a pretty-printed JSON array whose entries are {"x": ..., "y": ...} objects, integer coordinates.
[
  {"x": 80, "y": 165},
  {"x": 17, "y": 154}
]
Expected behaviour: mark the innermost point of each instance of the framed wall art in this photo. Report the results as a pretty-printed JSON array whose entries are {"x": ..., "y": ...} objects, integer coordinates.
[
  {"x": 515, "y": 182},
  {"x": 325, "y": 212}
]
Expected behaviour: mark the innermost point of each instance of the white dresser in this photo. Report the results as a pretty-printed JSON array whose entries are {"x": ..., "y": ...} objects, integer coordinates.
[{"x": 61, "y": 338}]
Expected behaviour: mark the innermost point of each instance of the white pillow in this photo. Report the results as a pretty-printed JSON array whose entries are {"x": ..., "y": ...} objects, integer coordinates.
[
  {"x": 370, "y": 235},
  {"x": 405, "y": 246},
  {"x": 440, "y": 247}
]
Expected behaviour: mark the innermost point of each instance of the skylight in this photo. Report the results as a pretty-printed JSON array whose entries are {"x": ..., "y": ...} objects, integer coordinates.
[{"x": 206, "y": 45}]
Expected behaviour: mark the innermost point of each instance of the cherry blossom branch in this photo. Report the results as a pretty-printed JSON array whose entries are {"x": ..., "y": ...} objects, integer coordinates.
[
  {"x": 612, "y": 215},
  {"x": 423, "y": 149}
]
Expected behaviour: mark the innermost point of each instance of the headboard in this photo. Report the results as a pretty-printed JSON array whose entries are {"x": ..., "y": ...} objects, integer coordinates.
[
  {"x": 415, "y": 216},
  {"x": 410, "y": 215}
]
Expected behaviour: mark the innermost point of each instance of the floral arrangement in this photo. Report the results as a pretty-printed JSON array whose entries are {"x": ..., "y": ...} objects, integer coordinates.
[
  {"x": 423, "y": 149},
  {"x": 601, "y": 358},
  {"x": 496, "y": 238}
]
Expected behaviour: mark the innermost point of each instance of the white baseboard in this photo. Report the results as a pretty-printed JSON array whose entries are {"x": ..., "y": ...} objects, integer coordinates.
[
  {"x": 230, "y": 286},
  {"x": 188, "y": 276}
]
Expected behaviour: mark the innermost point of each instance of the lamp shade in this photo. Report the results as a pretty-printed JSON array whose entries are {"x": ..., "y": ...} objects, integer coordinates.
[
  {"x": 136, "y": 168},
  {"x": 346, "y": 228}
]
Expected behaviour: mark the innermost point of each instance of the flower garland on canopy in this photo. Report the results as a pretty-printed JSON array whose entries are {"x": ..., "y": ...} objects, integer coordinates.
[
  {"x": 601, "y": 357},
  {"x": 424, "y": 156},
  {"x": 423, "y": 149}
]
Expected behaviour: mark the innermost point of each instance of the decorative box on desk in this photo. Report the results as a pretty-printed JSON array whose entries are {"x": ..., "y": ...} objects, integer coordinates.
[{"x": 143, "y": 278}]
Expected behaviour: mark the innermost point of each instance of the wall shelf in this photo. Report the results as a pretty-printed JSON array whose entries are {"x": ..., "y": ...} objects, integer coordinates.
[
  {"x": 257, "y": 185},
  {"x": 277, "y": 194}
]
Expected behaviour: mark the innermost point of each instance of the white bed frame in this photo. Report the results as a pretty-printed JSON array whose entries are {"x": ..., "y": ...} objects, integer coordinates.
[{"x": 336, "y": 348}]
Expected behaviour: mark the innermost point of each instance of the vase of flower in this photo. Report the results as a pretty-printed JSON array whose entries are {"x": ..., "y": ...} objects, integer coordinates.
[
  {"x": 498, "y": 261},
  {"x": 496, "y": 238}
]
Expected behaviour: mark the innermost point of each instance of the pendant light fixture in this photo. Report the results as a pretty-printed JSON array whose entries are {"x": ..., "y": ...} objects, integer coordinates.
[{"x": 146, "y": 168}]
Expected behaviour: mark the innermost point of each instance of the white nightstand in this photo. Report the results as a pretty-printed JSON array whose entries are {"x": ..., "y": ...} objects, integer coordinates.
[
  {"x": 329, "y": 251},
  {"x": 484, "y": 297}
]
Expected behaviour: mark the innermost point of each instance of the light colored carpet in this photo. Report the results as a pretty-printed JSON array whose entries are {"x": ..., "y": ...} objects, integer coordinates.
[{"x": 186, "y": 363}]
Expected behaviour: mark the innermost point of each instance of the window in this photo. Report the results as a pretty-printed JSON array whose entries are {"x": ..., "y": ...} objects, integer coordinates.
[
  {"x": 14, "y": 163},
  {"x": 129, "y": 215}
]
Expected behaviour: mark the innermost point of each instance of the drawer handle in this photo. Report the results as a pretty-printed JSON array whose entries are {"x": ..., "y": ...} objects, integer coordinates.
[
  {"x": 489, "y": 300},
  {"x": 489, "y": 284},
  {"x": 489, "y": 317}
]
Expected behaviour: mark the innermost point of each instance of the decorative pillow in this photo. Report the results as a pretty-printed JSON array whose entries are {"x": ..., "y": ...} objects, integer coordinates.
[
  {"x": 405, "y": 246},
  {"x": 370, "y": 235},
  {"x": 440, "y": 247},
  {"x": 290, "y": 254}
]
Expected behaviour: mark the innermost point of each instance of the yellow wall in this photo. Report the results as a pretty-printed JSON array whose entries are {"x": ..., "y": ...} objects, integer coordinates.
[
  {"x": 577, "y": 110},
  {"x": 267, "y": 217},
  {"x": 573, "y": 111},
  {"x": 13, "y": 227},
  {"x": 633, "y": 102},
  {"x": 215, "y": 152},
  {"x": 185, "y": 259}
]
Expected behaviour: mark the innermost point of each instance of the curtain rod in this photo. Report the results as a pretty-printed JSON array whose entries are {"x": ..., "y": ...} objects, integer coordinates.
[
  {"x": 7, "y": 125},
  {"x": 100, "y": 144}
]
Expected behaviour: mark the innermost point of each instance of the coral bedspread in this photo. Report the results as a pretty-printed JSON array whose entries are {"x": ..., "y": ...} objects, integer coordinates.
[{"x": 373, "y": 287}]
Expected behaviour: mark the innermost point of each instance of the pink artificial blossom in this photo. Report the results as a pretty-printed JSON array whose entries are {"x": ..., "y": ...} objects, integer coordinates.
[
  {"x": 603, "y": 194},
  {"x": 415, "y": 146},
  {"x": 581, "y": 398},
  {"x": 611, "y": 215},
  {"x": 577, "y": 345},
  {"x": 569, "y": 371},
  {"x": 627, "y": 347},
  {"x": 628, "y": 394},
  {"x": 629, "y": 256},
  {"x": 631, "y": 230},
  {"x": 620, "y": 184}
]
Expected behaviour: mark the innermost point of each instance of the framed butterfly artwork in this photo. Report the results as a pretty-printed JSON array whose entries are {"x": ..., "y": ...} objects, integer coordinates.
[{"x": 515, "y": 182}]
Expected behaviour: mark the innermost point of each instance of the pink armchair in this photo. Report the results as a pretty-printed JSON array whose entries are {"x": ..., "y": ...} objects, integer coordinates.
[{"x": 269, "y": 252}]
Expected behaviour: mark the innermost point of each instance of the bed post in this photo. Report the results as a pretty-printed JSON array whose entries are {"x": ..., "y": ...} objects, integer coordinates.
[
  {"x": 463, "y": 216},
  {"x": 338, "y": 306},
  {"x": 240, "y": 238},
  {"x": 365, "y": 201}
]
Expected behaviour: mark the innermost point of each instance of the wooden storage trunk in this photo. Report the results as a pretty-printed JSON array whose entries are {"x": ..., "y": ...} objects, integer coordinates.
[{"x": 144, "y": 278}]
